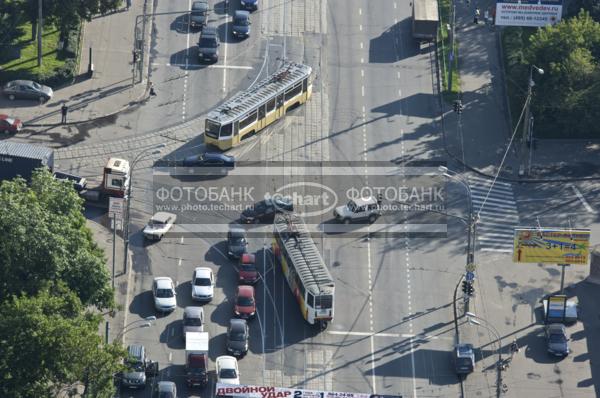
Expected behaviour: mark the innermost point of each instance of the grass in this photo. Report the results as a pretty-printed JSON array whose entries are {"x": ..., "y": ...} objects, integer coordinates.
[
  {"x": 26, "y": 65},
  {"x": 444, "y": 47}
]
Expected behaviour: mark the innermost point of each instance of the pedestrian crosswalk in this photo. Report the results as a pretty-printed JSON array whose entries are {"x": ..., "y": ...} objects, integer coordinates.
[{"x": 498, "y": 217}]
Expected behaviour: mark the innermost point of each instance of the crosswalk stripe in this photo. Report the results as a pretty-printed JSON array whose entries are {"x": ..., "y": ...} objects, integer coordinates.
[
  {"x": 488, "y": 182},
  {"x": 493, "y": 249},
  {"x": 493, "y": 198},
  {"x": 502, "y": 206}
]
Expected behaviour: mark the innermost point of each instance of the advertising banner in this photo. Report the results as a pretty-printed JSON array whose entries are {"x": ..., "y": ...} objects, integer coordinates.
[
  {"x": 556, "y": 307},
  {"x": 532, "y": 13},
  {"x": 247, "y": 391},
  {"x": 551, "y": 246}
]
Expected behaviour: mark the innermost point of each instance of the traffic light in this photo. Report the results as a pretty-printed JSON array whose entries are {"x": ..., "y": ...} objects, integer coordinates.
[
  {"x": 470, "y": 290},
  {"x": 458, "y": 106},
  {"x": 465, "y": 286}
]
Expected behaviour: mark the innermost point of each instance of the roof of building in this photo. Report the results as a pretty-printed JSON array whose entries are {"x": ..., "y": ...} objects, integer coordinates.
[{"x": 26, "y": 151}]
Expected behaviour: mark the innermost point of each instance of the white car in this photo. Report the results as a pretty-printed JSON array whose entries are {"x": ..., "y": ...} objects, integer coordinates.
[
  {"x": 203, "y": 284},
  {"x": 164, "y": 294},
  {"x": 227, "y": 370},
  {"x": 159, "y": 224},
  {"x": 359, "y": 210}
]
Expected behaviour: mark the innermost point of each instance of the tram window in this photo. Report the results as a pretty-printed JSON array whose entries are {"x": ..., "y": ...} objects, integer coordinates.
[
  {"x": 304, "y": 85},
  {"x": 280, "y": 100},
  {"x": 293, "y": 92},
  {"x": 261, "y": 111},
  {"x": 236, "y": 128},
  {"x": 271, "y": 105},
  {"x": 251, "y": 118},
  {"x": 225, "y": 130},
  {"x": 311, "y": 300}
]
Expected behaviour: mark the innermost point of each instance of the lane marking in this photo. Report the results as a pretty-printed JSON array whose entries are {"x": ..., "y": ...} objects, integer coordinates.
[
  {"x": 348, "y": 333},
  {"x": 187, "y": 61},
  {"x": 360, "y": 11},
  {"x": 362, "y": 60},
  {"x": 360, "y": 27},
  {"x": 225, "y": 53},
  {"x": 170, "y": 356},
  {"x": 179, "y": 262},
  {"x": 361, "y": 45},
  {"x": 362, "y": 90},
  {"x": 582, "y": 199},
  {"x": 362, "y": 74},
  {"x": 395, "y": 5},
  {"x": 190, "y": 65}
]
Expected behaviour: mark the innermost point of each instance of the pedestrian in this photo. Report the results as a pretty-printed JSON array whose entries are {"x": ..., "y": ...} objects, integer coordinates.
[
  {"x": 493, "y": 19},
  {"x": 128, "y": 4},
  {"x": 486, "y": 17},
  {"x": 476, "y": 17},
  {"x": 64, "y": 109},
  {"x": 514, "y": 347},
  {"x": 152, "y": 92}
]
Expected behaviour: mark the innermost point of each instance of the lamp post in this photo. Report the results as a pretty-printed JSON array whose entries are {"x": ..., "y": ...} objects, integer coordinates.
[
  {"x": 154, "y": 150},
  {"x": 526, "y": 121},
  {"x": 147, "y": 323},
  {"x": 475, "y": 320}
]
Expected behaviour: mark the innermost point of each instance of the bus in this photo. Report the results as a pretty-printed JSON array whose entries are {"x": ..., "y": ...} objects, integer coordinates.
[
  {"x": 303, "y": 268},
  {"x": 252, "y": 110}
]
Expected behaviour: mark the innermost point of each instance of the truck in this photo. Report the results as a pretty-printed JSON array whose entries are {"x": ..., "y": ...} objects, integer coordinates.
[
  {"x": 20, "y": 160},
  {"x": 196, "y": 359},
  {"x": 425, "y": 19},
  {"x": 115, "y": 182}
]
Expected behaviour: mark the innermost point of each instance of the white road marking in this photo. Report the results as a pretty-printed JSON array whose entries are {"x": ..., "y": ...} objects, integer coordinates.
[
  {"x": 395, "y": 5},
  {"x": 360, "y": 27},
  {"x": 360, "y": 11},
  {"x": 362, "y": 90},
  {"x": 362, "y": 60},
  {"x": 582, "y": 199},
  {"x": 189, "y": 65},
  {"x": 361, "y": 45},
  {"x": 348, "y": 333},
  {"x": 225, "y": 56},
  {"x": 362, "y": 73},
  {"x": 181, "y": 241},
  {"x": 170, "y": 356},
  {"x": 187, "y": 61},
  {"x": 179, "y": 262}
]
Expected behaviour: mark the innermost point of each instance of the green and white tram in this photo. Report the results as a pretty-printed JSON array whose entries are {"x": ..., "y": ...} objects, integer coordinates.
[
  {"x": 252, "y": 110},
  {"x": 304, "y": 269}
]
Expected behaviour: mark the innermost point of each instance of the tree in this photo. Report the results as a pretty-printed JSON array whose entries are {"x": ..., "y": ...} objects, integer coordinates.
[
  {"x": 591, "y": 6},
  {"x": 44, "y": 240},
  {"x": 563, "y": 97},
  {"x": 50, "y": 344}
]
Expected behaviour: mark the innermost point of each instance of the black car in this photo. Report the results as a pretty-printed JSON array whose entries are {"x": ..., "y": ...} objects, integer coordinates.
[
  {"x": 210, "y": 159},
  {"x": 249, "y": 4},
  {"x": 208, "y": 45},
  {"x": 464, "y": 359},
  {"x": 79, "y": 183},
  {"x": 556, "y": 337},
  {"x": 237, "y": 244},
  {"x": 265, "y": 210},
  {"x": 199, "y": 14},
  {"x": 241, "y": 24},
  {"x": 237, "y": 337}
]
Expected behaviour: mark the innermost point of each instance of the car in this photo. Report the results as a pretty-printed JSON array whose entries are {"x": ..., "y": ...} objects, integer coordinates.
[
  {"x": 193, "y": 320},
  {"x": 241, "y": 24},
  {"x": 138, "y": 367},
  {"x": 237, "y": 337},
  {"x": 159, "y": 225},
  {"x": 237, "y": 244},
  {"x": 203, "y": 284},
  {"x": 245, "y": 304},
  {"x": 227, "y": 370},
  {"x": 79, "y": 183},
  {"x": 163, "y": 291},
  {"x": 360, "y": 209},
  {"x": 557, "y": 340},
  {"x": 265, "y": 210},
  {"x": 464, "y": 359},
  {"x": 214, "y": 163},
  {"x": 249, "y": 4},
  {"x": 570, "y": 313},
  {"x": 166, "y": 389},
  {"x": 199, "y": 14},
  {"x": 27, "y": 89},
  {"x": 10, "y": 125},
  {"x": 247, "y": 272},
  {"x": 208, "y": 45}
]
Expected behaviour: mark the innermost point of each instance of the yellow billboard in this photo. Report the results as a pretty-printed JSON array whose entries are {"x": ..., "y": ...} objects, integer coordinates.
[{"x": 551, "y": 246}]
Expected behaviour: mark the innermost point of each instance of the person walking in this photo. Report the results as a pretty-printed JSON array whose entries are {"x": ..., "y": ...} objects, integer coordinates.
[
  {"x": 152, "y": 92},
  {"x": 128, "y": 4},
  {"x": 64, "y": 109},
  {"x": 486, "y": 17},
  {"x": 476, "y": 17}
]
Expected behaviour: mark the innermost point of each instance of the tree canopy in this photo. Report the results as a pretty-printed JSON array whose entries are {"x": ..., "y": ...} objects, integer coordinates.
[
  {"x": 50, "y": 344},
  {"x": 565, "y": 97},
  {"x": 44, "y": 240}
]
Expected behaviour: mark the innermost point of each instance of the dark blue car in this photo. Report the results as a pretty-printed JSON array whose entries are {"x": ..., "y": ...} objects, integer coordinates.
[
  {"x": 209, "y": 164},
  {"x": 249, "y": 4}
]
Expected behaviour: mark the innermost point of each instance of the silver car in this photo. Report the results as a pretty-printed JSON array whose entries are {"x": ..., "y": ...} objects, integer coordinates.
[
  {"x": 27, "y": 89},
  {"x": 193, "y": 320}
]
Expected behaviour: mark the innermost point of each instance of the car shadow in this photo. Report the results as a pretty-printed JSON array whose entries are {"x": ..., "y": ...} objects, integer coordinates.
[
  {"x": 172, "y": 335},
  {"x": 178, "y": 59},
  {"x": 143, "y": 305}
]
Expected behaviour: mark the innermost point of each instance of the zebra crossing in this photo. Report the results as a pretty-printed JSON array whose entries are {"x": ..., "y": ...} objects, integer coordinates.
[{"x": 498, "y": 217}]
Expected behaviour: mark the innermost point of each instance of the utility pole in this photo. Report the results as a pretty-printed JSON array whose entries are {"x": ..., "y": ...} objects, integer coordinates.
[
  {"x": 39, "y": 33},
  {"x": 451, "y": 54},
  {"x": 526, "y": 121}
]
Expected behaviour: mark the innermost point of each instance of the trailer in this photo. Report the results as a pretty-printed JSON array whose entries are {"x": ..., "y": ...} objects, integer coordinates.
[
  {"x": 21, "y": 160},
  {"x": 425, "y": 19},
  {"x": 196, "y": 358}
]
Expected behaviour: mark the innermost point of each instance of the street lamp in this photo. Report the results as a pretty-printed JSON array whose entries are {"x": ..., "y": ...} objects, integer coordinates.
[
  {"x": 475, "y": 320},
  {"x": 526, "y": 121},
  {"x": 149, "y": 151},
  {"x": 147, "y": 323}
]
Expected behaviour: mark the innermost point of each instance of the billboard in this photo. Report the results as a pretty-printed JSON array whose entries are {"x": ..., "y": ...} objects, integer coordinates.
[
  {"x": 556, "y": 307},
  {"x": 247, "y": 391},
  {"x": 551, "y": 246},
  {"x": 533, "y": 13}
]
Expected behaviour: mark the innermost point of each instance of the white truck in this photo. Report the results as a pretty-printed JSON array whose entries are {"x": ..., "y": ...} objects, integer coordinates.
[
  {"x": 196, "y": 358},
  {"x": 425, "y": 19}
]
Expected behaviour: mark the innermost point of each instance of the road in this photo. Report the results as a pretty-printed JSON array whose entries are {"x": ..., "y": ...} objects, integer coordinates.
[{"x": 374, "y": 99}]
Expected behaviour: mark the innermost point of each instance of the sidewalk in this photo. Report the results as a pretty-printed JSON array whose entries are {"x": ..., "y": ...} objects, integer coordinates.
[
  {"x": 110, "y": 89},
  {"x": 480, "y": 135}
]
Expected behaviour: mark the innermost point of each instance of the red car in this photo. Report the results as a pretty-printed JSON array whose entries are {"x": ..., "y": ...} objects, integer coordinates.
[
  {"x": 247, "y": 273},
  {"x": 10, "y": 124},
  {"x": 245, "y": 305}
]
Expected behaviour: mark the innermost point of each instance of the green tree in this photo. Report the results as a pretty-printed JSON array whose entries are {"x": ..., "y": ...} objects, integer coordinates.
[
  {"x": 49, "y": 344},
  {"x": 591, "y": 6},
  {"x": 563, "y": 97},
  {"x": 44, "y": 240}
]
